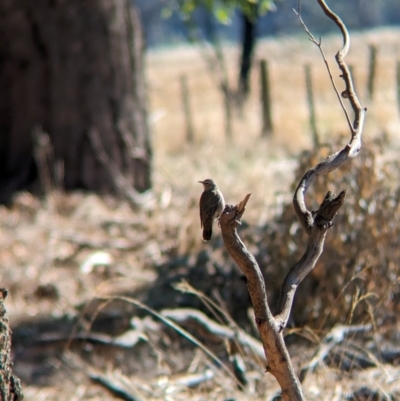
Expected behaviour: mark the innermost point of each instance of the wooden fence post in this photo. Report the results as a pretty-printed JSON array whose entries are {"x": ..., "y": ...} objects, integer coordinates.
[
  {"x": 398, "y": 85},
  {"x": 267, "y": 126},
  {"x": 187, "y": 109},
  {"x": 372, "y": 71},
  {"x": 311, "y": 107}
]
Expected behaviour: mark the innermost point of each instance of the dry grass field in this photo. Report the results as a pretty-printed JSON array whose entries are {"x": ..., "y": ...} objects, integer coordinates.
[
  {"x": 246, "y": 162},
  {"x": 63, "y": 257}
]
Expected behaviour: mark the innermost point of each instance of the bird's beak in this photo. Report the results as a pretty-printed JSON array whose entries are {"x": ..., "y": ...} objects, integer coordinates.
[{"x": 201, "y": 182}]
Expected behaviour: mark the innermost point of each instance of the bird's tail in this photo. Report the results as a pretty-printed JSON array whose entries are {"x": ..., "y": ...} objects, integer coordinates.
[{"x": 207, "y": 234}]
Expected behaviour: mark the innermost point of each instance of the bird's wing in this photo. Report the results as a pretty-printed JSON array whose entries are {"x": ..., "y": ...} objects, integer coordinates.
[{"x": 207, "y": 212}]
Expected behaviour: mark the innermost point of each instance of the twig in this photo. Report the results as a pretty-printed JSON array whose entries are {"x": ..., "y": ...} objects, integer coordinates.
[
  {"x": 349, "y": 92},
  {"x": 319, "y": 45}
]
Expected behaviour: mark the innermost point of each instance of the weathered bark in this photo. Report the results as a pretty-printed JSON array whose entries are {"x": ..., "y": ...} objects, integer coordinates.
[
  {"x": 316, "y": 225},
  {"x": 10, "y": 386},
  {"x": 278, "y": 359},
  {"x": 69, "y": 67}
]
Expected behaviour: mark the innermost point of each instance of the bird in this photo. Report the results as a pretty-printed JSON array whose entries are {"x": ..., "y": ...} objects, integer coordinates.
[{"x": 211, "y": 206}]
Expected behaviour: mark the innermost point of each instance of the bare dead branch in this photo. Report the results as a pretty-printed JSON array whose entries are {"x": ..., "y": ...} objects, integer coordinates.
[
  {"x": 126, "y": 340},
  {"x": 334, "y": 337},
  {"x": 316, "y": 224},
  {"x": 119, "y": 389},
  {"x": 177, "y": 328},
  {"x": 229, "y": 220},
  {"x": 322, "y": 223},
  {"x": 242, "y": 205},
  {"x": 319, "y": 45},
  {"x": 279, "y": 363},
  {"x": 349, "y": 92},
  {"x": 116, "y": 388},
  {"x": 213, "y": 330}
]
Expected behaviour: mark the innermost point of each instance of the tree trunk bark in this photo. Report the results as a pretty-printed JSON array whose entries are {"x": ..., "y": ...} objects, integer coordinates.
[
  {"x": 70, "y": 67},
  {"x": 248, "y": 44},
  {"x": 10, "y": 385}
]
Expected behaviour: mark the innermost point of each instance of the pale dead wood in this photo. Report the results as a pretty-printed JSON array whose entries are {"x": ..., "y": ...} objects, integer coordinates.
[
  {"x": 117, "y": 389},
  {"x": 128, "y": 339},
  {"x": 334, "y": 337},
  {"x": 124, "y": 389},
  {"x": 212, "y": 330},
  {"x": 177, "y": 328},
  {"x": 191, "y": 379},
  {"x": 321, "y": 223},
  {"x": 315, "y": 223}
]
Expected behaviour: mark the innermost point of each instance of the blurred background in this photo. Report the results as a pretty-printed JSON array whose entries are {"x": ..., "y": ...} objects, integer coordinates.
[{"x": 111, "y": 112}]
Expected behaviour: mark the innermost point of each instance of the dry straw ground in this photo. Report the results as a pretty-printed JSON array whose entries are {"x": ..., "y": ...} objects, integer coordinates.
[{"x": 47, "y": 245}]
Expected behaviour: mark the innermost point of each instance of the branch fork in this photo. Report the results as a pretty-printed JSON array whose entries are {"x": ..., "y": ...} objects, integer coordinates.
[{"x": 315, "y": 223}]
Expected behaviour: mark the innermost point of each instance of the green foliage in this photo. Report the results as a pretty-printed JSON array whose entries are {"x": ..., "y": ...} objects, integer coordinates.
[{"x": 221, "y": 9}]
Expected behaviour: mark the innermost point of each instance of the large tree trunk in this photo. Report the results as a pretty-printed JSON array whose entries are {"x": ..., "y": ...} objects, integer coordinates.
[{"x": 72, "y": 66}]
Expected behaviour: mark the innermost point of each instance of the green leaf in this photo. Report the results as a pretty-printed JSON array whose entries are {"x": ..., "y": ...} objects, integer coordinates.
[
  {"x": 223, "y": 15},
  {"x": 265, "y": 6},
  {"x": 223, "y": 9}
]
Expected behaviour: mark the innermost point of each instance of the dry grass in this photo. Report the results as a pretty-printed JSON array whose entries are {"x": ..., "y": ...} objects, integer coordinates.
[
  {"x": 45, "y": 244},
  {"x": 286, "y": 57},
  {"x": 247, "y": 163}
]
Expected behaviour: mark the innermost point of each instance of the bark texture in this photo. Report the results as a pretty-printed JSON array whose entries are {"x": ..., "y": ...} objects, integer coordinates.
[
  {"x": 70, "y": 66},
  {"x": 315, "y": 223},
  {"x": 10, "y": 386}
]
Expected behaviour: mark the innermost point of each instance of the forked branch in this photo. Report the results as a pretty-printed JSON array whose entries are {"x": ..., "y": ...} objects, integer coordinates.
[
  {"x": 278, "y": 359},
  {"x": 315, "y": 223},
  {"x": 309, "y": 220}
]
